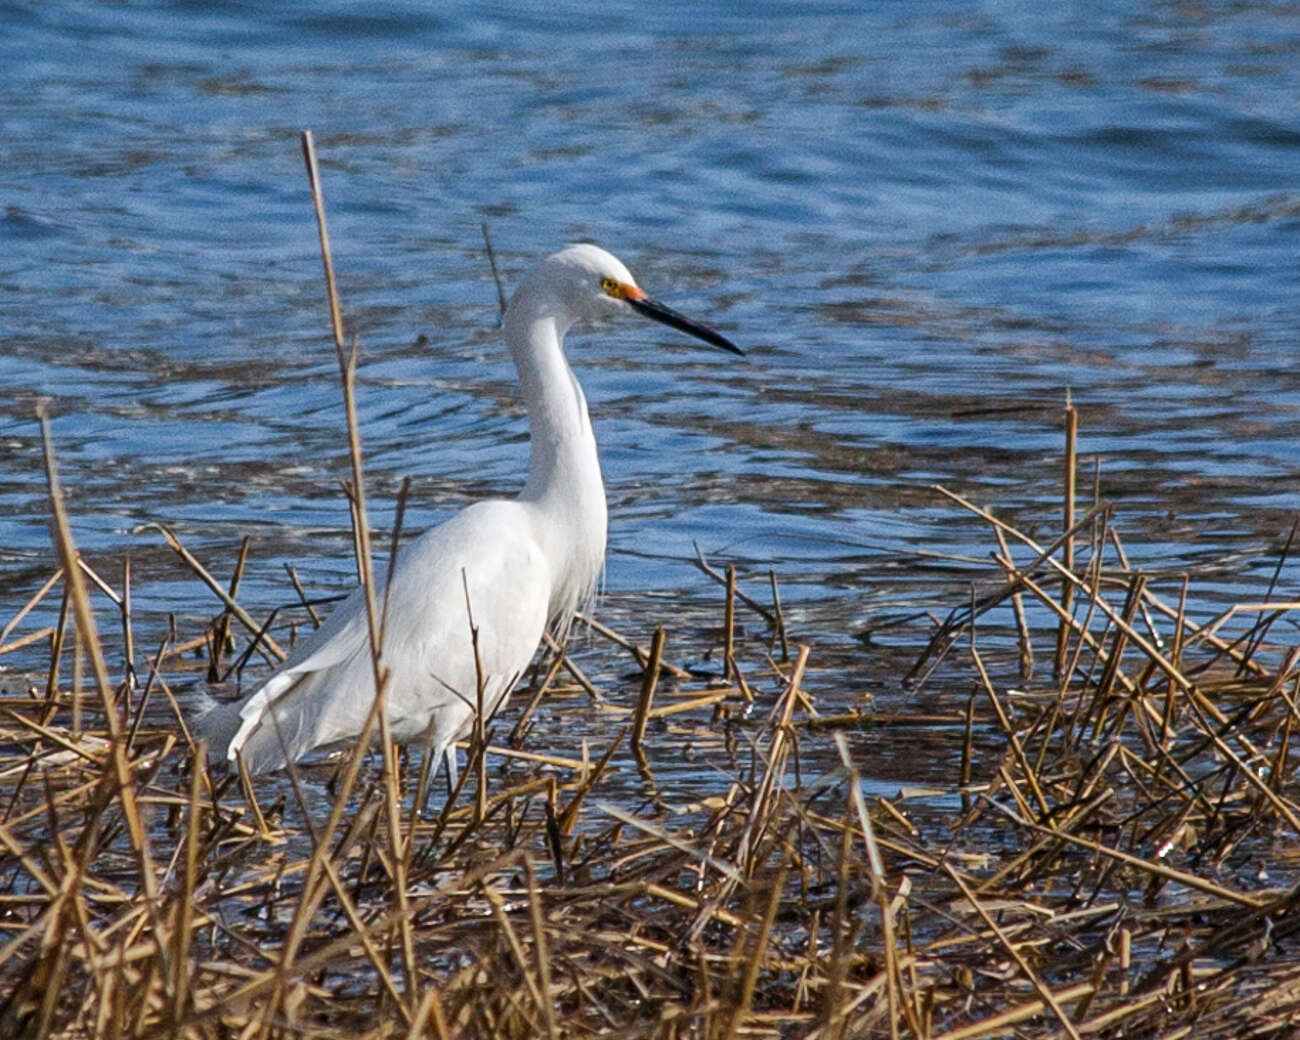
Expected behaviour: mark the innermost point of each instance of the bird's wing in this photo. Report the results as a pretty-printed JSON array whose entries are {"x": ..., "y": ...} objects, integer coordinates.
[
  {"x": 468, "y": 605},
  {"x": 344, "y": 636},
  {"x": 486, "y": 555}
]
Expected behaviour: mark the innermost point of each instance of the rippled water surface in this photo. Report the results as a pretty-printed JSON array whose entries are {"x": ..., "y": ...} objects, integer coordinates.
[{"x": 928, "y": 223}]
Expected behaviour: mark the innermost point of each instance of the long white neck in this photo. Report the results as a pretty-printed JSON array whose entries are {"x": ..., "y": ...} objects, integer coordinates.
[{"x": 564, "y": 481}]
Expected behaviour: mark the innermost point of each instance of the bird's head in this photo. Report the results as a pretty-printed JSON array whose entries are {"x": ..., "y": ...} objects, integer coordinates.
[{"x": 590, "y": 283}]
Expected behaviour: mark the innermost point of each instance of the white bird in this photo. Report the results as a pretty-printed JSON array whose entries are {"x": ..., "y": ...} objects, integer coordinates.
[{"x": 518, "y": 567}]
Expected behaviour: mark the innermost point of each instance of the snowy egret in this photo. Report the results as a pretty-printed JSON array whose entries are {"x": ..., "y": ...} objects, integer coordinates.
[{"x": 517, "y": 567}]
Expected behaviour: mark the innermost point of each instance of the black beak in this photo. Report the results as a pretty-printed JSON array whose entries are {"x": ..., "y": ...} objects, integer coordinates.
[{"x": 668, "y": 316}]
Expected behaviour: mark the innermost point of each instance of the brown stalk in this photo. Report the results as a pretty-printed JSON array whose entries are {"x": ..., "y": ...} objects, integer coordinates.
[
  {"x": 180, "y": 995},
  {"x": 721, "y": 579},
  {"x": 347, "y": 376},
  {"x": 221, "y": 629},
  {"x": 568, "y": 817},
  {"x": 996, "y": 1025},
  {"x": 496, "y": 274},
  {"x": 779, "y": 616},
  {"x": 1024, "y": 642},
  {"x": 31, "y": 604},
  {"x": 648, "y": 684},
  {"x": 729, "y": 627},
  {"x": 547, "y": 1006},
  {"x": 302, "y": 595},
  {"x": 85, "y": 621},
  {"x": 880, "y": 892},
  {"x": 57, "y": 641},
  {"x": 239, "y": 613},
  {"x": 1047, "y": 996},
  {"x": 1067, "y": 525},
  {"x": 1009, "y": 732},
  {"x": 1156, "y": 869},
  {"x": 753, "y": 961},
  {"x": 640, "y": 653}
]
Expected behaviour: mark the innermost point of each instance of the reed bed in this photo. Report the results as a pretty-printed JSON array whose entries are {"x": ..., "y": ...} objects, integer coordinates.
[
  {"x": 1105, "y": 844},
  {"x": 1113, "y": 852}
]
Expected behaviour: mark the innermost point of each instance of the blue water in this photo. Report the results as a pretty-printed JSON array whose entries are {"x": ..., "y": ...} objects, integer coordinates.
[{"x": 927, "y": 222}]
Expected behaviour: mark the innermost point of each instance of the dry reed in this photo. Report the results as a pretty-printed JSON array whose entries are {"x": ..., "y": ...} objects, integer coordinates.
[{"x": 1112, "y": 856}]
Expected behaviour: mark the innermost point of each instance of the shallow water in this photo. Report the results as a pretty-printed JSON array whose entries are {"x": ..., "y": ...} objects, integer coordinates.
[{"x": 927, "y": 223}]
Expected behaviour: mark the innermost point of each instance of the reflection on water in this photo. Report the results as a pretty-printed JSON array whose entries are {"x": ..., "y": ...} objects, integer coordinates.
[{"x": 927, "y": 225}]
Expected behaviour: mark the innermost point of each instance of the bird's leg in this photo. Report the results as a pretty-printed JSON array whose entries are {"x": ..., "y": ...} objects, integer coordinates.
[{"x": 452, "y": 774}]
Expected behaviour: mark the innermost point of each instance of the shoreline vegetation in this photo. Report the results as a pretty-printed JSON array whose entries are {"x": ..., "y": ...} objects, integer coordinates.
[{"x": 1112, "y": 852}]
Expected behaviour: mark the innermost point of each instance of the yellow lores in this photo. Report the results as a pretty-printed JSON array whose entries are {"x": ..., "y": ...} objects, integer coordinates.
[{"x": 621, "y": 290}]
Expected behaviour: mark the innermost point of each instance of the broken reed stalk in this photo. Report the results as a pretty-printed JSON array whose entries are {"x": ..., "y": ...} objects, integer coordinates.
[
  {"x": 57, "y": 642},
  {"x": 1026, "y": 969},
  {"x": 313, "y": 890},
  {"x": 648, "y": 684},
  {"x": 232, "y": 605},
  {"x": 39, "y": 636},
  {"x": 960, "y": 617},
  {"x": 1067, "y": 525},
  {"x": 721, "y": 579},
  {"x": 1156, "y": 659},
  {"x": 189, "y": 882},
  {"x": 778, "y": 615},
  {"x": 302, "y": 595},
  {"x": 894, "y": 983},
  {"x": 478, "y": 741},
  {"x": 753, "y": 960},
  {"x": 729, "y": 627},
  {"x": 221, "y": 627},
  {"x": 540, "y": 947},
  {"x": 89, "y": 636},
  {"x": 27, "y": 608},
  {"x": 639, "y": 653},
  {"x": 128, "y": 633},
  {"x": 1025, "y": 642},
  {"x": 496, "y": 274}
]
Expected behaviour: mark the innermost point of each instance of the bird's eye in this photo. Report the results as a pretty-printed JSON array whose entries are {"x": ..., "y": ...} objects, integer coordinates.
[{"x": 610, "y": 286}]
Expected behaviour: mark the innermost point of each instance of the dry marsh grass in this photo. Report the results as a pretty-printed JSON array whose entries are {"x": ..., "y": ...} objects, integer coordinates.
[{"x": 1113, "y": 853}]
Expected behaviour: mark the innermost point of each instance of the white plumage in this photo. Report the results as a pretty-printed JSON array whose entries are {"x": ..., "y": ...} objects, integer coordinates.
[{"x": 527, "y": 564}]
